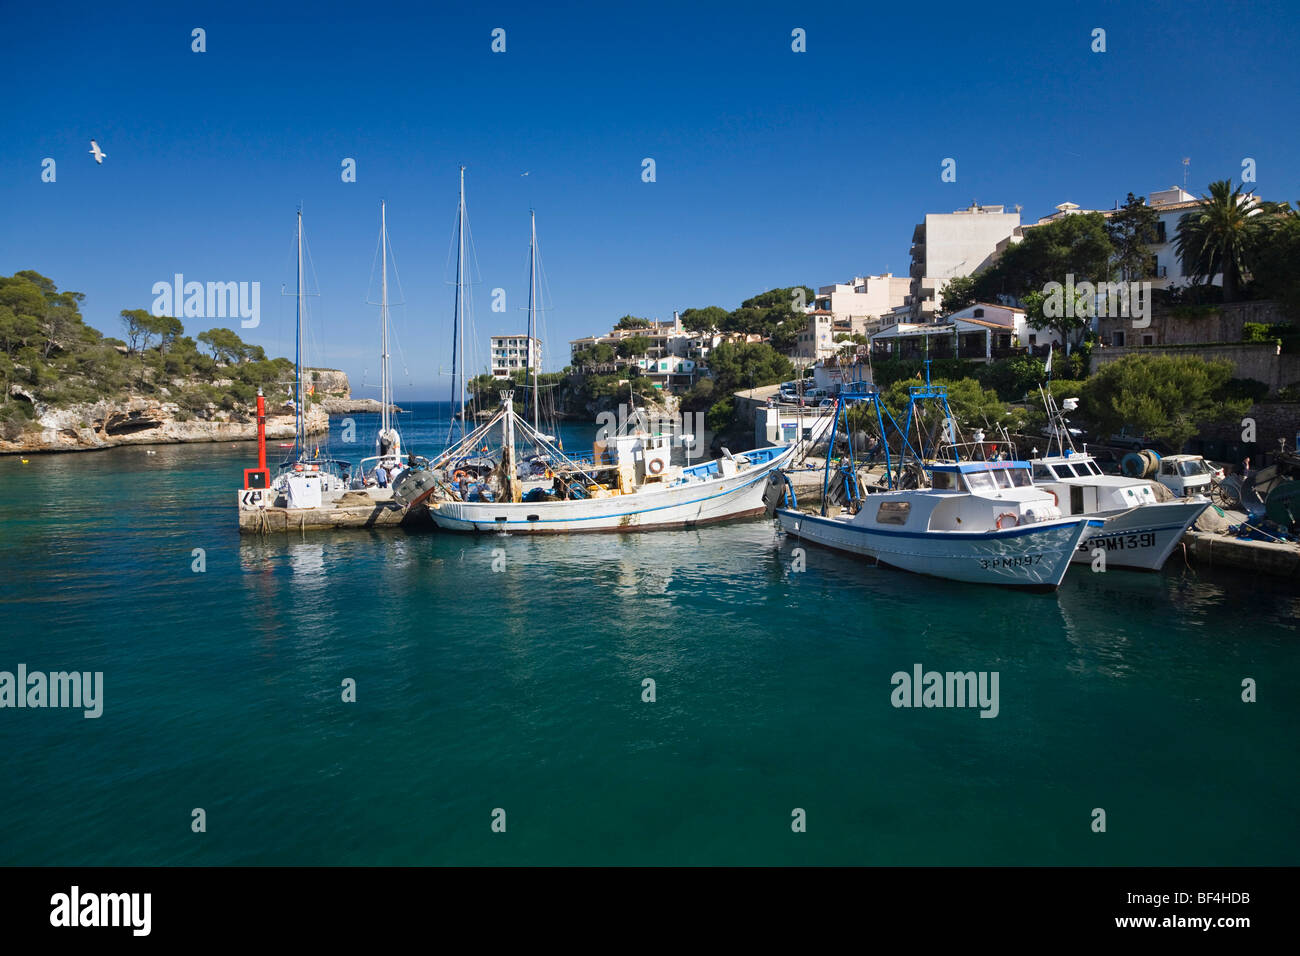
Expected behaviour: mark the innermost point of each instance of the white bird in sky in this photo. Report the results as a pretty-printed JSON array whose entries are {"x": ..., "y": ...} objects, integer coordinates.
[{"x": 98, "y": 153}]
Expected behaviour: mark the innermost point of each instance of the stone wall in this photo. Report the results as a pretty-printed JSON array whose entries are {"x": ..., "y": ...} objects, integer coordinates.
[
  {"x": 1170, "y": 326},
  {"x": 1273, "y": 421},
  {"x": 1262, "y": 361}
]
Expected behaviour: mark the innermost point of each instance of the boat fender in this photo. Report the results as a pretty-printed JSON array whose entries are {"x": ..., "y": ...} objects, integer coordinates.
[
  {"x": 1008, "y": 514},
  {"x": 656, "y": 466}
]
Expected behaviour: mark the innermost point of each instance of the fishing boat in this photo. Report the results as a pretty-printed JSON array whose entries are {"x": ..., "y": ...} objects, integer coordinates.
[
  {"x": 306, "y": 478},
  {"x": 981, "y": 522},
  {"x": 1139, "y": 531},
  {"x": 628, "y": 484}
]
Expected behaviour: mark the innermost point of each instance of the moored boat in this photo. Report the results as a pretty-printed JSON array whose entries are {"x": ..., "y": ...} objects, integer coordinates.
[
  {"x": 981, "y": 522},
  {"x": 1139, "y": 531},
  {"x": 630, "y": 484}
]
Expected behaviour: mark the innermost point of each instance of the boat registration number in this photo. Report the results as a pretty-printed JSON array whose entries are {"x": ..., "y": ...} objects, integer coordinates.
[
  {"x": 1015, "y": 561},
  {"x": 1120, "y": 542}
]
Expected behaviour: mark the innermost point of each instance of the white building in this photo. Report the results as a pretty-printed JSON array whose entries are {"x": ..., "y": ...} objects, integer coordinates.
[
  {"x": 948, "y": 245},
  {"x": 860, "y": 303},
  {"x": 983, "y": 332},
  {"x": 1170, "y": 205},
  {"x": 511, "y": 353},
  {"x": 817, "y": 340}
]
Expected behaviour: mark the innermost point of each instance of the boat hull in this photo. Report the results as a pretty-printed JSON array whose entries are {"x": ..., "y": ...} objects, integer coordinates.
[
  {"x": 683, "y": 506},
  {"x": 1140, "y": 539},
  {"x": 1033, "y": 557}
]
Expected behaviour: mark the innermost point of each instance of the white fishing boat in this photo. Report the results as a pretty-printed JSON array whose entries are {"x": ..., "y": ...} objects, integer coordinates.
[
  {"x": 629, "y": 484},
  {"x": 982, "y": 522},
  {"x": 1139, "y": 531}
]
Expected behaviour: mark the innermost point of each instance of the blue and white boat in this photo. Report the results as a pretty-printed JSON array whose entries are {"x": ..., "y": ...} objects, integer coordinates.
[
  {"x": 629, "y": 484},
  {"x": 982, "y": 522}
]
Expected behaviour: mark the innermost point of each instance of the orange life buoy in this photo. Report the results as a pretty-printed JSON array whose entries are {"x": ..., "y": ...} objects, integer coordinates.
[
  {"x": 459, "y": 475},
  {"x": 656, "y": 466},
  {"x": 1008, "y": 514}
]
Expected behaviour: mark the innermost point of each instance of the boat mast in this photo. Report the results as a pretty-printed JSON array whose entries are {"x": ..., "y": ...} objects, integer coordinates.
[
  {"x": 532, "y": 309},
  {"x": 385, "y": 387},
  {"x": 300, "y": 424},
  {"x": 459, "y": 377}
]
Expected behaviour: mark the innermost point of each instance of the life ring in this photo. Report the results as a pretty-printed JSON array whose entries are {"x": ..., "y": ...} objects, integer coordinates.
[
  {"x": 459, "y": 475},
  {"x": 656, "y": 466},
  {"x": 1008, "y": 514}
]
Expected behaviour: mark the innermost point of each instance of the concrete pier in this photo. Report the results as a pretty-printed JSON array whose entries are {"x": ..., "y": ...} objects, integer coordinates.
[
  {"x": 1280, "y": 559},
  {"x": 356, "y": 509}
]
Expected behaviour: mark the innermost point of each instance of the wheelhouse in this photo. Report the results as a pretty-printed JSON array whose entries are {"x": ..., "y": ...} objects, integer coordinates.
[
  {"x": 1062, "y": 469},
  {"x": 980, "y": 477}
]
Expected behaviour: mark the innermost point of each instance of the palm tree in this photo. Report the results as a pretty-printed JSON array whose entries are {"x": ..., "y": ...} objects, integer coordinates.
[{"x": 1220, "y": 236}]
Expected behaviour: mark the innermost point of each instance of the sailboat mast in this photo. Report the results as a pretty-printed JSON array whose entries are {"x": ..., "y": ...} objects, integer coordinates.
[
  {"x": 300, "y": 430},
  {"x": 460, "y": 299},
  {"x": 384, "y": 386},
  {"x": 532, "y": 310}
]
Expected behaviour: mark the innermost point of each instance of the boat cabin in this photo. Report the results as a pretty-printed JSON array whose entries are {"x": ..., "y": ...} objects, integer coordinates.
[
  {"x": 1082, "y": 488},
  {"x": 971, "y": 496},
  {"x": 980, "y": 477}
]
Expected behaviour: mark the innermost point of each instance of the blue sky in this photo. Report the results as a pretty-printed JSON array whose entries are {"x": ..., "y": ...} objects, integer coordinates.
[{"x": 773, "y": 167}]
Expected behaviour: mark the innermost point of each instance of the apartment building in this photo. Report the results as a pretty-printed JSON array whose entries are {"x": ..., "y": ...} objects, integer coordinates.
[
  {"x": 948, "y": 245},
  {"x": 511, "y": 353}
]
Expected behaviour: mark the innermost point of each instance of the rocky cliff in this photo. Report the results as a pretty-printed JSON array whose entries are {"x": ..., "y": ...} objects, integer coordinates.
[{"x": 144, "y": 420}]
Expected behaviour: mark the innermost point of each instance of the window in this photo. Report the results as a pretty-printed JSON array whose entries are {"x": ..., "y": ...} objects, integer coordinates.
[
  {"x": 1148, "y": 340},
  {"x": 1160, "y": 231},
  {"x": 893, "y": 512},
  {"x": 980, "y": 481},
  {"x": 979, "y": 314},
  {"x": 1117, "y": 339},
  {"x": 942, "y": 481},
  {"x": 1019, "y": 477},
  {"x": 1033, "y": 339},
  {"x": 1043, "y": 473}
]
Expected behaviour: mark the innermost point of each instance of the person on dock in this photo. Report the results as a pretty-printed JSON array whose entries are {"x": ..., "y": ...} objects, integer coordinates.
[{"x": 381, "y": 475}]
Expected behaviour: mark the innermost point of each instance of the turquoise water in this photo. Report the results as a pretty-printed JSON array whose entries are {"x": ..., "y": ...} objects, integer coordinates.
[{"x": 521, "y": 689}]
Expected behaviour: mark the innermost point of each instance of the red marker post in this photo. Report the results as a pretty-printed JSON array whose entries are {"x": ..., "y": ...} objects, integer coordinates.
[{"x": 259, "y": 477}]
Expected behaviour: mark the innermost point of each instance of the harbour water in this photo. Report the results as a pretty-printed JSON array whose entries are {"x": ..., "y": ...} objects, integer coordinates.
[{"x": 520, "y": 687}]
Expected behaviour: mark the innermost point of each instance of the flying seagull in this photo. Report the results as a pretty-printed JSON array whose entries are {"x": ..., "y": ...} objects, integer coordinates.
[{"x": 98, "y": 153}]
